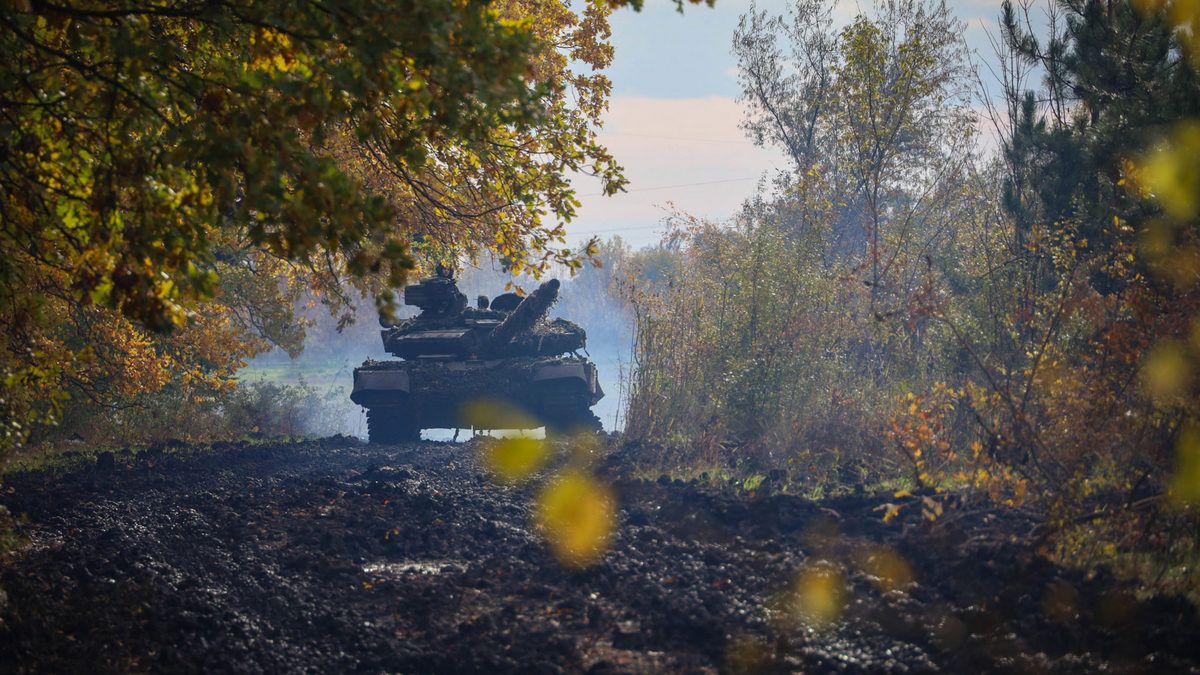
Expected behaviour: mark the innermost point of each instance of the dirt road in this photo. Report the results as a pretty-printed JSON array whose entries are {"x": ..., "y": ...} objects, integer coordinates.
[{"x": 335, "y": 556}]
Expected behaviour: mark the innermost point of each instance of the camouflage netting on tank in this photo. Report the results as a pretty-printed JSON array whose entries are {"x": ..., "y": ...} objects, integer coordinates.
[
  {"x": 454, "y": 321},
  {"x": 549, "y": 337}
]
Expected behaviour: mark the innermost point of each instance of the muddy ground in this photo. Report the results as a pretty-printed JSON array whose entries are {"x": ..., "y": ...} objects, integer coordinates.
[{"x": 335, "y": 556}]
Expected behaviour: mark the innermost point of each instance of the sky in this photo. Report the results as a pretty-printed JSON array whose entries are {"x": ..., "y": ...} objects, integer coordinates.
[{"x": 674, "y": 115}]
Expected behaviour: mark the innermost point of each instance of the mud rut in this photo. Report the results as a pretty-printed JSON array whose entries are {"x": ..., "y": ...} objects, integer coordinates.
[{"x": 335, "y": 556}]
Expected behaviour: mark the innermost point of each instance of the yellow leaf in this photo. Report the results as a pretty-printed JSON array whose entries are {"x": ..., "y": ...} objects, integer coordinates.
[
  {"x": 889, "y": 571},
  {"x": 1172, "y": 172},
  {"x": 1166, "y": 370},
  {"x": 515, "y": 458},
  {"x": 494, "y": 414},
  {"x": 890, "y": 511},
  {"x": 578, "y": 515},
  {"x": 1185, "y": 481},
  {"x": 818, "y": 596}
]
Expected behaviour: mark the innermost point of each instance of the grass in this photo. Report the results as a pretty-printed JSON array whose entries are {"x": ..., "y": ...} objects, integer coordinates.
[
  {"x": 320, "y": 375},
  {"x": 64, "y": 458},
  {"x": 54, "y": 458}
]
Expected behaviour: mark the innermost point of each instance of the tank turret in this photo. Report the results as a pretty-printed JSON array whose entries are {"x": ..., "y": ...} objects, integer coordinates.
[
  {"x": 465, "y": 332},
  {"x": 456, "y": 355}
]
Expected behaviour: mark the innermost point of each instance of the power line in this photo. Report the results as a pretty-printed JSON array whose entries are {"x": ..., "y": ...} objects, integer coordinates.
[
  {"x": 681, "y": 185},
  {"x": 627, "y": 228},
  {"x": 681, "y": 138}
]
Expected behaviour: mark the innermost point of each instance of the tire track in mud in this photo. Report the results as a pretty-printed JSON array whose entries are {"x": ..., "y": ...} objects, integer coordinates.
[{"x": 337, "y": 556}]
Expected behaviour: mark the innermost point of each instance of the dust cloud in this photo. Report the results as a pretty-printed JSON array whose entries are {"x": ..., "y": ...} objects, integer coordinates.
[{"x": 325, "y": 369}]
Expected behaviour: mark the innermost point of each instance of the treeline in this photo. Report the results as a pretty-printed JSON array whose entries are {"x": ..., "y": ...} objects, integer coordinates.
[{"x": 905, "y": 309}]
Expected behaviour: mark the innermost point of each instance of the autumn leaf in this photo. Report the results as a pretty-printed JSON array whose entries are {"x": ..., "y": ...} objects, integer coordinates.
[
  {"x": 515, "y": 458},
  {"x": 578, "y": 515}
]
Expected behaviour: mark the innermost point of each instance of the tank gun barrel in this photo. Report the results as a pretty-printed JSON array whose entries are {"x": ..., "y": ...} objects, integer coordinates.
[{"x": 522, "y": 319}]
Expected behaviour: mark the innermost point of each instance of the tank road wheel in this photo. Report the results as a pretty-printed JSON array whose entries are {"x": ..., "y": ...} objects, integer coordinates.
[
  {"x": 573, "y": 422},
  {"x": 566, "y": 409},
  {"x": 391, "y": 424}
]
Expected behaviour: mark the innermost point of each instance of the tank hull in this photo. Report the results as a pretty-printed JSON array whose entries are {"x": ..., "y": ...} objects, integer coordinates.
[{"x": 404, "y": 397}]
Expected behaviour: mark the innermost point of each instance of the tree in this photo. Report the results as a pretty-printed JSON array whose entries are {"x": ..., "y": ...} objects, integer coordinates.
[
  {"x": 1113, "y": 77},
  {"x": 1101, "y": 161},
  {"x": 878, "y": 109},
  {"x": 168, "y": 168},
  {"x": 788, "y": 331}
]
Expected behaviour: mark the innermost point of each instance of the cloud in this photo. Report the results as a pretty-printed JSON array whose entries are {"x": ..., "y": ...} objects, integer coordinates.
[{"x": 686, "y": 151}]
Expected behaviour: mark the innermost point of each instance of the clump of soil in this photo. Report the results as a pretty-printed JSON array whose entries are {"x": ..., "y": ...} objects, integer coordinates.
[{"x": 337, "y": 556}]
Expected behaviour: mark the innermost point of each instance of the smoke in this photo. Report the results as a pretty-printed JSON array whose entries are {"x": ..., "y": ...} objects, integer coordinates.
[
  {"x": 326, "y": 366},
  {"x": 590, "y": 298}
]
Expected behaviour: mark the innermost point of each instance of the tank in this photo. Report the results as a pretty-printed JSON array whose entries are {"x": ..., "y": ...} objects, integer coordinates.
[{"x": 499, "y": 365}]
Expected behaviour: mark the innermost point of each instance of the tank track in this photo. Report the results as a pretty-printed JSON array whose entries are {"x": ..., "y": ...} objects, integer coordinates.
[
  {"x": 391, "y": 424},
  {"x": 569, "y": 411}
]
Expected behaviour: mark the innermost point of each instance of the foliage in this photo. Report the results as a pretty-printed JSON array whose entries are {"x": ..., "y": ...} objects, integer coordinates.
[
  {"x": 578, "y": 515},
  {"x": 1108, "y": 309},
  {"x": 268, "y": 409},
  {"x": 791, "y": 332},
  {"x": 1019, "y": 329},
  {"x": 253, "y": 409},
  {"x": 172, "y": 176},
  {"x": 727, "y": 349},
  {"x": 875, "y": 115}
]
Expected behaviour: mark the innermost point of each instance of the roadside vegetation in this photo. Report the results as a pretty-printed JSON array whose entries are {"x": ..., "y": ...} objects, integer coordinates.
[{"x": 907, "y": 309}]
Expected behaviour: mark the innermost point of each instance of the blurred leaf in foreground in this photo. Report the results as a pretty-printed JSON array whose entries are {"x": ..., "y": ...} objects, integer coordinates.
[
  {"x": 1172, "y": 171},
  {"x": 513, "y": 459},
  {"x": 1061, "y": 601},
  {"x": 1170, "y": 174},
  {"x": 1185, "y": 483},
  {"x": 578, "y": 514},
  {"x": 1166, "y": 370},
  {"x": 818, "y": 596},
  {"x": 494, "y": 414},
  {"x": 888, "y": 570}
]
